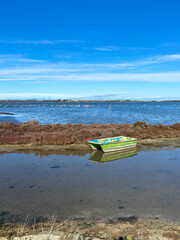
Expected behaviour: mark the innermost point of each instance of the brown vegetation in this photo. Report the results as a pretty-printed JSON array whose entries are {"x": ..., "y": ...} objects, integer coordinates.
[
  {"x": 112, "y": 230},
  {"x": 56, "y": 134}
]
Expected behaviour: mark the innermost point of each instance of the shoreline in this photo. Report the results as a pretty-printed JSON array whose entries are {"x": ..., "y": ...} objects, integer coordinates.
[
  {"x": 143, "y": 145},
  {"x": 32, "y": 135}
]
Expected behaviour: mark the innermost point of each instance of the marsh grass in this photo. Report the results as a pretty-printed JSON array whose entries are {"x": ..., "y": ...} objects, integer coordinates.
[{"x": 56, "y": 134}]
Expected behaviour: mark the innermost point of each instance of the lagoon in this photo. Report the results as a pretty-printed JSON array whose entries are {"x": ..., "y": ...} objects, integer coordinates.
[
  {"x": 91, "y": 112},
  {"x": 73, "y": 185}
]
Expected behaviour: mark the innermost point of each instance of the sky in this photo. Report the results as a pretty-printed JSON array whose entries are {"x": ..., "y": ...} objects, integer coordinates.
[{"x": 90, "y": 49}]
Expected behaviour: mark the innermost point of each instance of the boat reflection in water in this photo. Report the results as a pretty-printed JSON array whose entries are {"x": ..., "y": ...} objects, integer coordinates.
[{"x": 101, "y": 157}]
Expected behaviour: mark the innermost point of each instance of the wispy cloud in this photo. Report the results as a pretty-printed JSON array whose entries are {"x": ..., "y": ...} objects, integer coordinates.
[
  {"x": 107, "y": 48},
  {"x": 17, "y": 58},
  {"x": 172, "y": 57},
  {"x": 36, "y": 42},
  {"x": 118, "y": 48},
  {"x": 151, "y": 61},
  {"x": 28, "y": 95},
  {"x": 140, "y": 48},
  {"x": 20, "y": 68},
  {"x": 138, "y": 77}
]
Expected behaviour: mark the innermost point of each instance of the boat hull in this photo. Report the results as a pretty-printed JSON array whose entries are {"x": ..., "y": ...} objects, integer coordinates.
[{"x": 118, "y": 146}]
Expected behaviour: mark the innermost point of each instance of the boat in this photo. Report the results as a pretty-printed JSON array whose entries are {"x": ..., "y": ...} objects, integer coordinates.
[
  {"x": 101, "y": 157},
  {"x": 113, "y": 144}
]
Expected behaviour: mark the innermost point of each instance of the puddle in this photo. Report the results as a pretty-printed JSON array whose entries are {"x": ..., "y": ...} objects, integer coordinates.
[{"x": 90, "y": 186}]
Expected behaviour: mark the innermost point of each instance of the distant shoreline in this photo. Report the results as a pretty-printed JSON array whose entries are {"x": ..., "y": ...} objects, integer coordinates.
[{"x": 88, "y": 101}]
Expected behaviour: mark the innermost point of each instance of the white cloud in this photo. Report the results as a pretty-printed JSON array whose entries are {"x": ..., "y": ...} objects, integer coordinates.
[
  {"x": 17, "y": 58},
  {"x": 172, "y": 57},
  {"x": 153, "y": 60},
  {"x": 47, "y": 96},
  {"x": 21, "y": 95},
  {"x": 116, "y": 48},
  {"x": 147, "y": 77},
  {"x": 20, "y": 68}
]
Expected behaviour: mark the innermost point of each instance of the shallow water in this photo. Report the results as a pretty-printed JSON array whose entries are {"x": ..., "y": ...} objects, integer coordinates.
[
  {"x": 69, "y": 186},
  {"x": 87, "y": 113}
]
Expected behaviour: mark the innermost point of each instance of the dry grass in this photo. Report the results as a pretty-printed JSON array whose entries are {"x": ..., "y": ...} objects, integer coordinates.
[
  {"x": 112, "y": 230},
  {"x": 56, "y": 134}
]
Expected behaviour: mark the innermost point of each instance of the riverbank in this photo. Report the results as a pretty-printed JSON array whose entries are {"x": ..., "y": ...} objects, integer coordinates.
[
  {"x": 76, "y": 136},
  {"x": 117, "y": 229}
]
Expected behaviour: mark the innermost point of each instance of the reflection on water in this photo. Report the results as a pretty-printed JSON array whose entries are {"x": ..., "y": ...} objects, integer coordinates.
[
  {"x": 71, "y": 186},
  {"x": 41, "y": 153},
  {"x": 100, "y": 156}
]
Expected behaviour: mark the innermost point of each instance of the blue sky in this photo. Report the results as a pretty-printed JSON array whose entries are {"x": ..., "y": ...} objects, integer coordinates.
[{"x": 88, "y": 49}]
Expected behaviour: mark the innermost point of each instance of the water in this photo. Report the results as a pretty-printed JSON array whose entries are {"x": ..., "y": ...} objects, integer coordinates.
[
  {"x": 87, "y": 113},
  {"x": 41, "y": 185}
]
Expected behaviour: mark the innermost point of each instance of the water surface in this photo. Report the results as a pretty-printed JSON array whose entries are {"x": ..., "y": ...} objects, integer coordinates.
[
  {"x": 87, "y": 113},
  {"x": 69, "y": 186}
]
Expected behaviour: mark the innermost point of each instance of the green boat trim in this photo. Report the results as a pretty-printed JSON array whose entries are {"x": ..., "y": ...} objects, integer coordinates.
[{"x": 113, "y": 144}]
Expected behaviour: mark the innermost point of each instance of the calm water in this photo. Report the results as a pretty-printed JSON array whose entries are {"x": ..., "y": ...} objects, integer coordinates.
[
  {"x": 46, "y": 113},
  {"x": 145, "y": 185}
]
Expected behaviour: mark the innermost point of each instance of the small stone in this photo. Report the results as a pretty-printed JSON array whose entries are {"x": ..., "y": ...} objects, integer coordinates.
[{"x": 121, "y": 207}]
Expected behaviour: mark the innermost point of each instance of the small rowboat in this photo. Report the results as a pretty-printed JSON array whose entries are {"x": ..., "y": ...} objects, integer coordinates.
[{"x": 113, "y": 144}]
